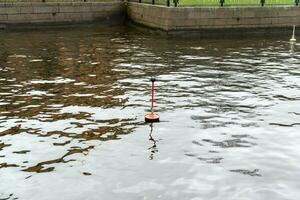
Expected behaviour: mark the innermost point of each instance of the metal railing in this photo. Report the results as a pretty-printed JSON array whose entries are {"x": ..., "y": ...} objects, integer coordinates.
[{"x": 221, "y": 3}]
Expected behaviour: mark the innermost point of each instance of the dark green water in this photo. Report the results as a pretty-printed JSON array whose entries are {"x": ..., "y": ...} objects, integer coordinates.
[{"x": 73, "y": 101}]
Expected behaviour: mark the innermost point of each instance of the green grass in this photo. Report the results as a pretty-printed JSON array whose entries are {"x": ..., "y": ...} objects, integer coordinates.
[
  {"x": 235, "y": 2},
  {"x": 184, "y": 2},
  {"x": 227, "y": 2}
]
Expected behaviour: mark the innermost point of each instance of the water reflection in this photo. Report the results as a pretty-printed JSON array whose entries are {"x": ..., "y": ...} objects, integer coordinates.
[
  {"x": 40, "y": 167},
  {"x": 153, "y": 149},
  {"x": 72, "y": 106},
  {"x": 247, "y": 172},
  {"x": 292, "y": 48}
]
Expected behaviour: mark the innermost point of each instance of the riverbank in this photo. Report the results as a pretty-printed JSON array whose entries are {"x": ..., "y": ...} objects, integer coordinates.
[
  {"x": 206, "y": 20},
  {"x": 15, "y": 14},
  {"x": 203, "y": 18}
]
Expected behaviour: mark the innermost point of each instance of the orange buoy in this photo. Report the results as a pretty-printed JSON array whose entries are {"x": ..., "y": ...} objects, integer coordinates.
[{"x": 152, "y": 117}]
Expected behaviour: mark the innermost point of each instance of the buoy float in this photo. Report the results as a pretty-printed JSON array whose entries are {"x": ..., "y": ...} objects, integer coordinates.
[
  {"x": 293, "y": 39},
  {"x": 152, "y": 117}
]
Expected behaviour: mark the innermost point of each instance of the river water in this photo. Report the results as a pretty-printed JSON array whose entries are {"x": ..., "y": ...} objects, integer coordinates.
[{"x": 72, "y": 116}]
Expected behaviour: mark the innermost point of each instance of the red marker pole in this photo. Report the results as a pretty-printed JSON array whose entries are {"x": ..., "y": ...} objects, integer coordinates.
[
  {"x": 152, "y": 117},
  {"x": 152, "y": 102}
]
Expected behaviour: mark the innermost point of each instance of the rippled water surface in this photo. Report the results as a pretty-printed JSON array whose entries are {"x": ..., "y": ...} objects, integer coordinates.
[{"x": 72, "y": 106}]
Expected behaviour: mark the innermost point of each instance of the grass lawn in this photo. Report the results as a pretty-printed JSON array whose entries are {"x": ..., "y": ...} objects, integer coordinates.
[
  {"x": 235, "y": 2},
  {"x": 227, "y": 2},
  {"x": 184, "y": 2}
]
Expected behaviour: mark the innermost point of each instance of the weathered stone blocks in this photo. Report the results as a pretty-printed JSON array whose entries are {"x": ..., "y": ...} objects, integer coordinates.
[
  {"x": 26, "y": 13},
  {"x": 191, "y": 18}
]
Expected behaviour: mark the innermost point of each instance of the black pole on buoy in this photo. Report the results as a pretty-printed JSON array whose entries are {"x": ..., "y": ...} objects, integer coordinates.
[{"x": 152, "y": 117}]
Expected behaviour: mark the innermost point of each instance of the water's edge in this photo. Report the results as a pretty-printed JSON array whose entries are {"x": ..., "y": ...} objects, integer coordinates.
[{"x": 200, "y": 21}]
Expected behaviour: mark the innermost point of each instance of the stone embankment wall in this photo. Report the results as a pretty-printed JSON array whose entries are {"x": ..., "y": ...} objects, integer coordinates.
[
  {"x": 47, "y": 13},
  {"x": 155, "y": 16},
  {"x": 197, "y": 18}
]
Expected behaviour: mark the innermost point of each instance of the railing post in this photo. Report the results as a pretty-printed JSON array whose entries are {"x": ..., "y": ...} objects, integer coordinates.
[
  {"x": 168, "y": 3},
  {"x": 262, "y": 2},
  {"x": 175, "y": 3},
  {"x": 222, "y": 3}
]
